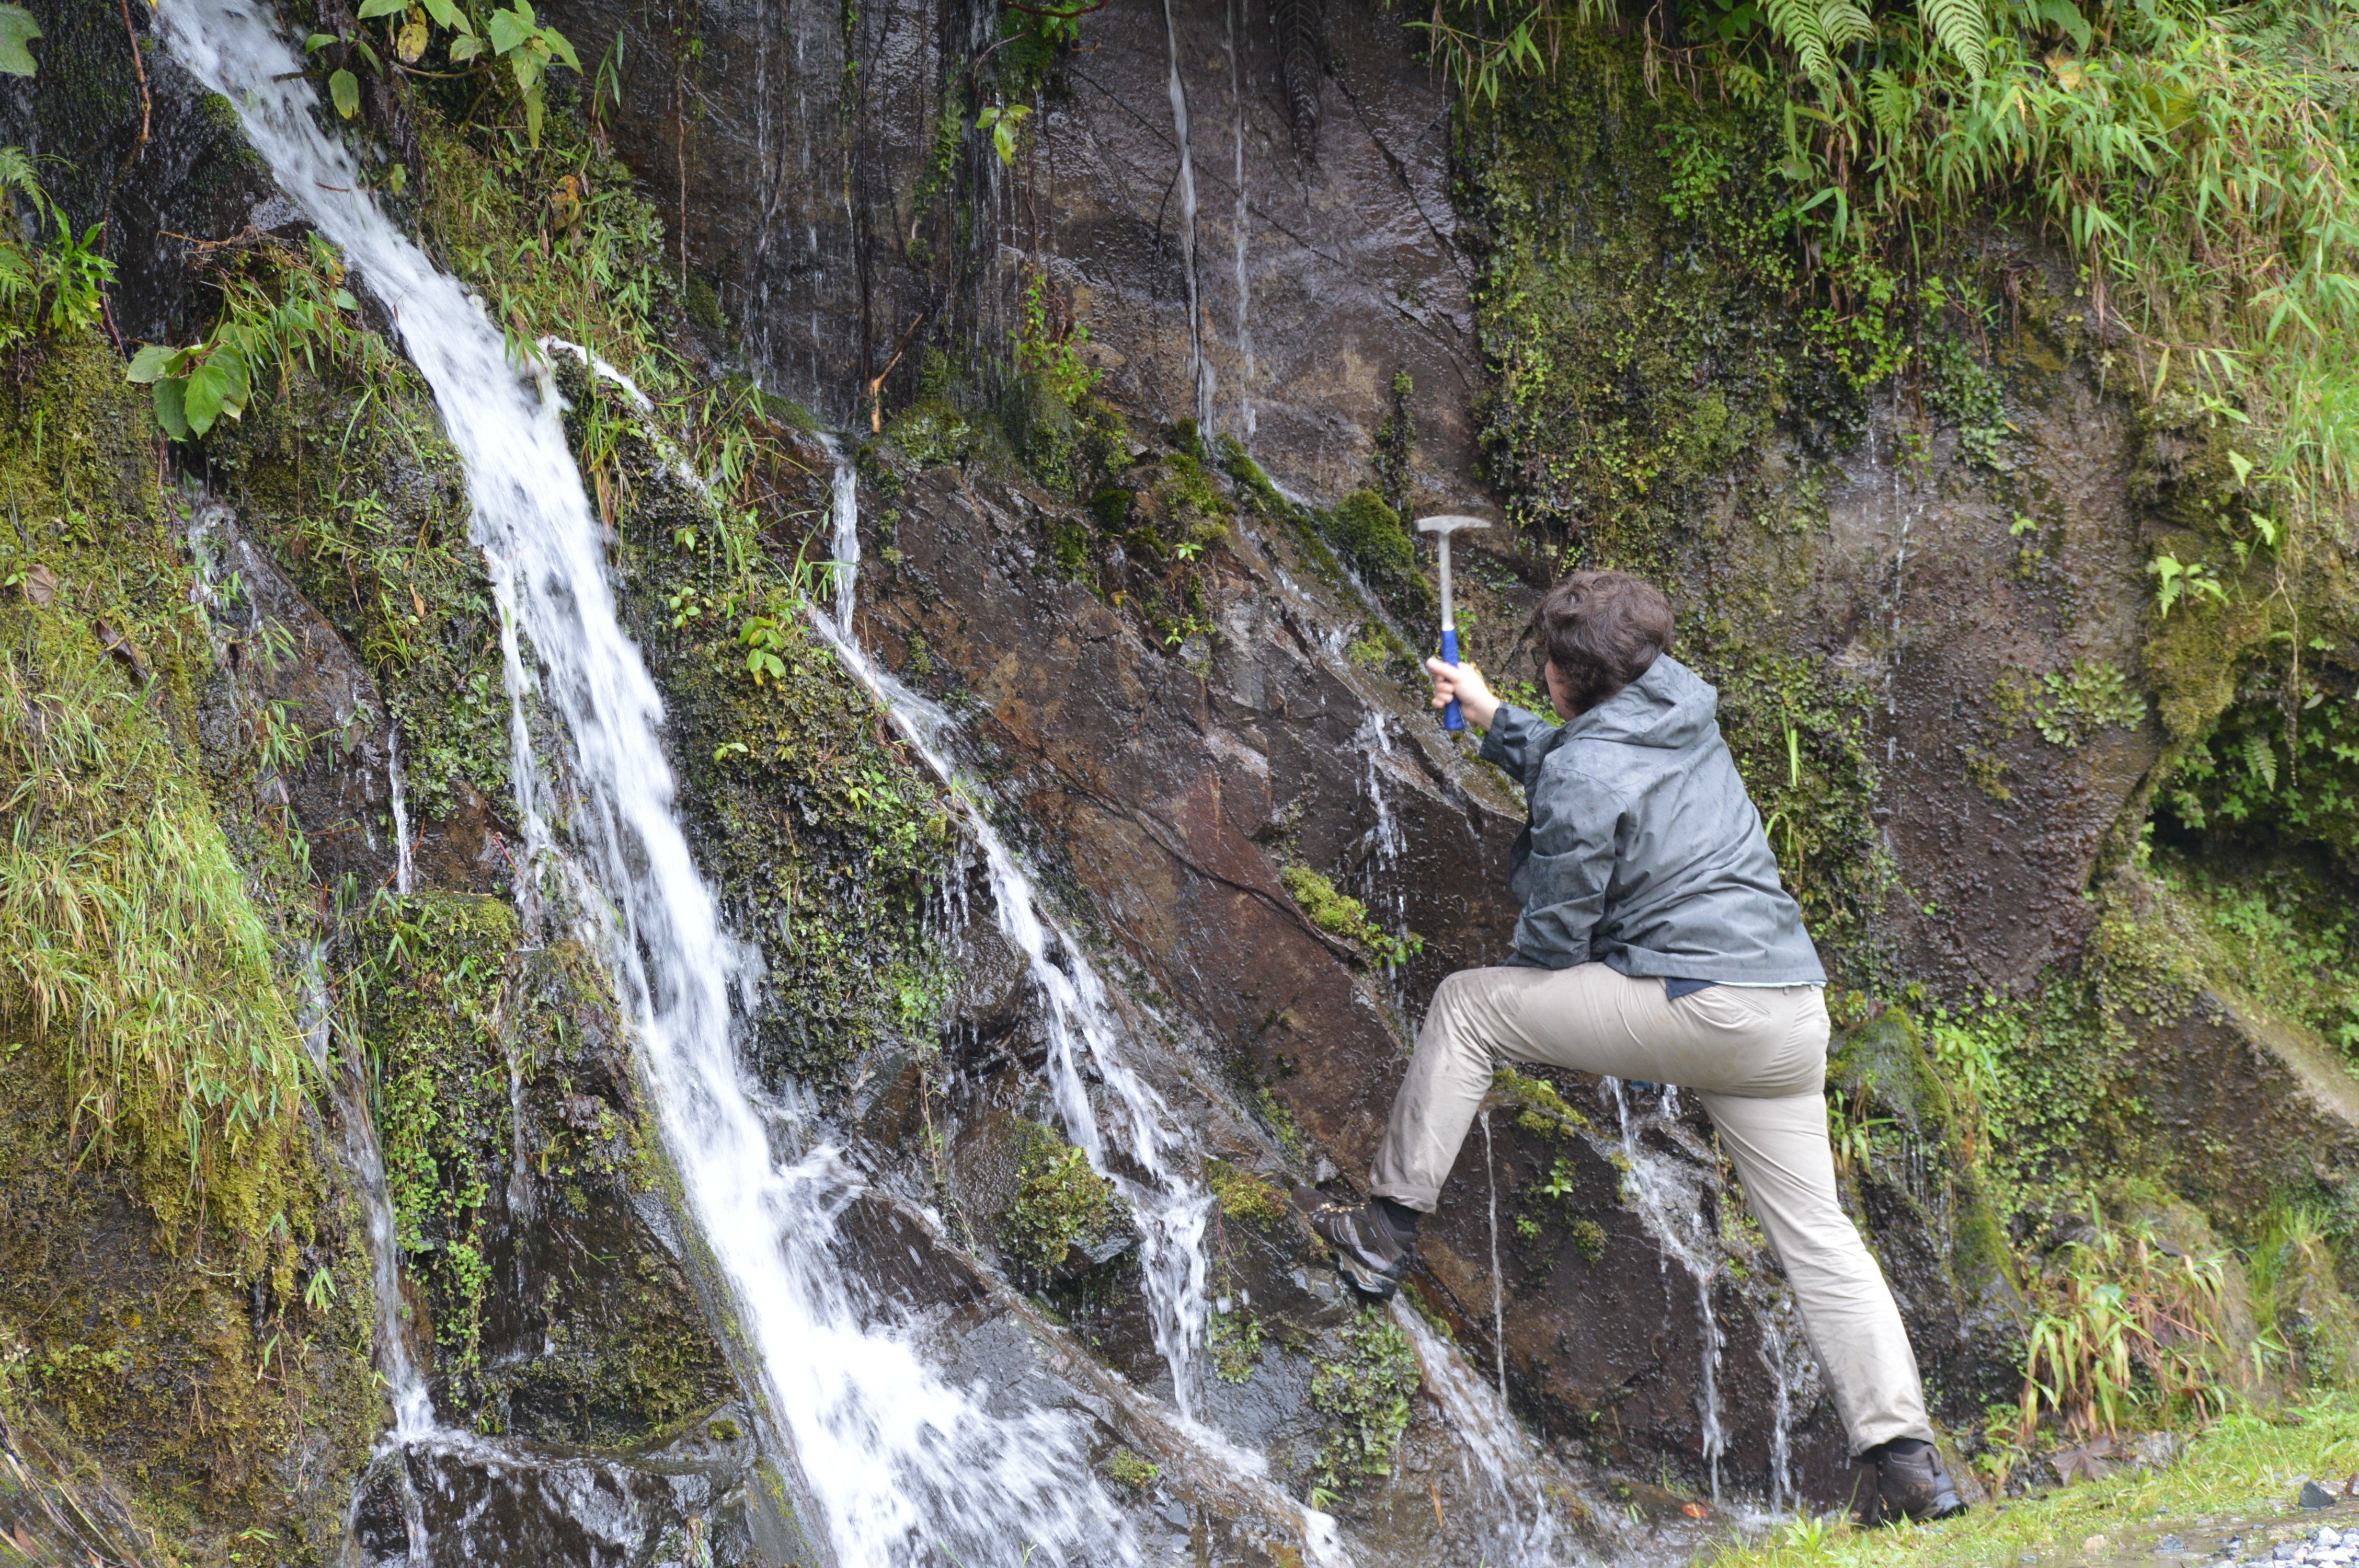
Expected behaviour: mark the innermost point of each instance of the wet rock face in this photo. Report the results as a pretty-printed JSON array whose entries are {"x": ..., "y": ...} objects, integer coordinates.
[
  {"x": 1172, "y": 793},
  {"x": 150, "y": 161},
  {"x": 681, "y": 1503},
  {"x": 1316, "y": 280}
]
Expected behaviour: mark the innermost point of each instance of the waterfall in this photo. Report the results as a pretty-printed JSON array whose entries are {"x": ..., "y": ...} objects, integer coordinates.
[
  {"x": 1513, "y": 1470},
  {"x": 1197, "y": 368},
  {"x": 413, "y": 1408},
  {"x": 1169, "y": 1206},
  {"x": 401, "y": 868},
  {"x": 1245, "y": 290},
  {"x": 1670, "y": 1201},
  {"x": 904, "y": 1467}
]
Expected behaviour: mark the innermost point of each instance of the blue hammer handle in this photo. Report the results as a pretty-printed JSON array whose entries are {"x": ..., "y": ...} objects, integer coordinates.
[{"x": 1450, "y": 718}]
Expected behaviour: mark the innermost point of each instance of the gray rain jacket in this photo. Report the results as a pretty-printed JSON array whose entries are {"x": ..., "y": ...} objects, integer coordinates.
[{"x": 1643, "y": 851}]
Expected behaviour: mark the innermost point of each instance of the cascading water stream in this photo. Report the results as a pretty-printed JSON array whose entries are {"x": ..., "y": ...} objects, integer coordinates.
[
  {"x": 413, "y": 1408},
  {"x": 1198, "y": 368},
  {"x": 1170, "y": 1207},
  {"x": 401, "y": 864},
  {"x": 1669, "y": 1201},
  {"x": 902, "y": 1465},
  {"x": 1525, "y": 1533}
]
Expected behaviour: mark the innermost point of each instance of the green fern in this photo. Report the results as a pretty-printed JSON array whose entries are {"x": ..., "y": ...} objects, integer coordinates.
[
  {"x": 1964, "y": 30},
  {"x": 2261, "y": 758},
  {"x": 1798, "y": 28},
  {"x": 1841, "y": 22},
  {"x": 1892, "y": 102}
]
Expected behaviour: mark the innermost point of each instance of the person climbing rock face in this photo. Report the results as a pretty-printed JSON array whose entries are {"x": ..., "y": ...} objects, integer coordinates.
[{"x": 1655, "y": 943}]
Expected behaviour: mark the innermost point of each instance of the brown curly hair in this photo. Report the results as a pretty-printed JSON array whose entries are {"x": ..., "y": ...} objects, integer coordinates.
[{"x": 1602, "y": 629}]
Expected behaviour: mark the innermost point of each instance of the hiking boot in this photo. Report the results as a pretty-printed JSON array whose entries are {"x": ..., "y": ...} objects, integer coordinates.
[
  {"x": 1371, "y": 1252},
  {"x": 1910, "y": 1483}
]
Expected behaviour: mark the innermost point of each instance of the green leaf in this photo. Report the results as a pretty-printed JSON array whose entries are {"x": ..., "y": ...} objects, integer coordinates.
[
  {"x": 317, "y": 42},
  {"x": 557, "y": 45},
  {"x": 1964, "y": 30},
  {"x": 464, "y": 48},
  {"x": 372, "y": 9},
  {"x": 344, "y": 91},
  {"x": 447, "y": 15},
  {"x": 343, "y": 299},
  {"x": 202, "y": 401},
  {"x": 151, "y": 364},
  {"x": 507, "y": 30},
  {"x": 171, "y": 410},
  {"x": 17, "y": 28}
]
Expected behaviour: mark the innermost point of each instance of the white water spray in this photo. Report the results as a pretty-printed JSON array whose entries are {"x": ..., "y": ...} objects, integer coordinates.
[
  {"x": 1525, "y": 1532},
  {"x": 1198, "y": 368},
  {"x": 1169, "y": 1206},
  {"x": 401, "y": 866},
  {"x": 903, "y": 1466},
  {"x": 1669, "y": 1199}
]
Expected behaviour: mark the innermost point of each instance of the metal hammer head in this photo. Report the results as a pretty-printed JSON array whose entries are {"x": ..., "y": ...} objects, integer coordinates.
[{"x": 1449, "y": 525}]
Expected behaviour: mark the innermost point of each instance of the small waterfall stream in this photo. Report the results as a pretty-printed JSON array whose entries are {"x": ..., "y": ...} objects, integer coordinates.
[
  {"x": 1171, "y": 1207},
  {"x": 1668, "y": 1196},
  {"x": 401, "y": 837},
  {"x": 1199, "y": 370}
]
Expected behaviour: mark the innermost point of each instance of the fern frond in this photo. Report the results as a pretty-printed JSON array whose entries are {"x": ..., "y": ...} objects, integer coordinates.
[
  {"x": 1798, "y": 27},
  {"x": 1964, "y": 30},
  {"x": 2261, "y": 758},
  {"x": 1841, "y": 22},
  {"x": 1892, "y": 102}
]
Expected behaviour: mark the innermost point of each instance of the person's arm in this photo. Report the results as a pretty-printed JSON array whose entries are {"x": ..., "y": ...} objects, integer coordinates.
[
  {"x": 1514, "y": 741},
  {"x": 1563, "y": 881}
]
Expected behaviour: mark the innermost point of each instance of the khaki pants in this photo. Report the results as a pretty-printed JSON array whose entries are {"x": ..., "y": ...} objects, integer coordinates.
[{"x": 1756, "y": 1056}]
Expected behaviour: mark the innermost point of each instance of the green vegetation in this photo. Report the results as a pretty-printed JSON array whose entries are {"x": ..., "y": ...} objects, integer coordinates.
[
  {"x": 2068, "y": 706},
  {"x": 1060, "y": 1203},
  {"x": 1130, "y": 1470},
  {"x": 2243, "y": 1462},
  {"x": 1234, "y": 1340},
  {"x": 1244, "y": 1196},
  {"x": 2195, "y": 158},
  {"x": 1340, "y": 914},
  {"x": 1363, "y": 1389}
]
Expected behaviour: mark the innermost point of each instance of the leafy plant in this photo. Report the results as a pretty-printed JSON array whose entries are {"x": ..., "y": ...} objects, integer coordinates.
[
  {"x": 1364, "y": 1391},
  {"x": 473, "y": 42},
  {"x": 18, "y": 30},
  {"x": 61, "y": 286},
  {"x": 298, "y": 310},
  {"x": 2127, "y": 1323}
]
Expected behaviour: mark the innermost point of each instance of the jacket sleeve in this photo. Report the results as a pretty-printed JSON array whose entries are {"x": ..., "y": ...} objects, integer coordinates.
[
  {"x": 1513, "y": 740},
  {"x": 1575, "y": 821}
]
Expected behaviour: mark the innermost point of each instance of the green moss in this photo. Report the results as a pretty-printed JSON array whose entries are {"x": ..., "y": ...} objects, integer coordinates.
[
  {"x": 1588, "y": 1239},
  {"x": 1541, "y": 1109},
  {"x": 1369, "y": 534},
  {"x": 1234, "y": 1340},
  {"x": 1060, "y": 1203},
  {"x": 1340, "y": 914},
  {"x": 931, "y": 432},
  {"x": 1244, "y": 1196},
  {"x": 1130, "y": 1470},
  {"x": 183, "y": 1298},
  {"x": 2067, "y": 707},
  {"x": 1363, "y": 1389}
]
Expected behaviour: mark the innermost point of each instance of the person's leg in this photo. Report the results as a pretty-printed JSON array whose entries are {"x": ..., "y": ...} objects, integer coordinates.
[
  {"x": 1780, "y": 1150},
  {"x": 1591, "y": 1019}
]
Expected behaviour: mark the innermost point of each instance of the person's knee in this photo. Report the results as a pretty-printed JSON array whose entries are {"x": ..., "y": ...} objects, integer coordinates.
[{"x": 1455, "y": 1021}]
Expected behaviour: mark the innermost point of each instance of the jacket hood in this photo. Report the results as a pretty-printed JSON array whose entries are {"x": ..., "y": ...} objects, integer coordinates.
[{"x": 1669, "y": 707}]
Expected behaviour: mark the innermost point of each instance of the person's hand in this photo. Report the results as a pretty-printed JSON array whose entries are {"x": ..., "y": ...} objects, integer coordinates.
[{"x": 1465, "y": 682}]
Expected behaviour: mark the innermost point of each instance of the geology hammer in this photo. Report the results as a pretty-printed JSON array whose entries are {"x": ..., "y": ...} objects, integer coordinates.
[{"x": 1442, "y": 529}]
